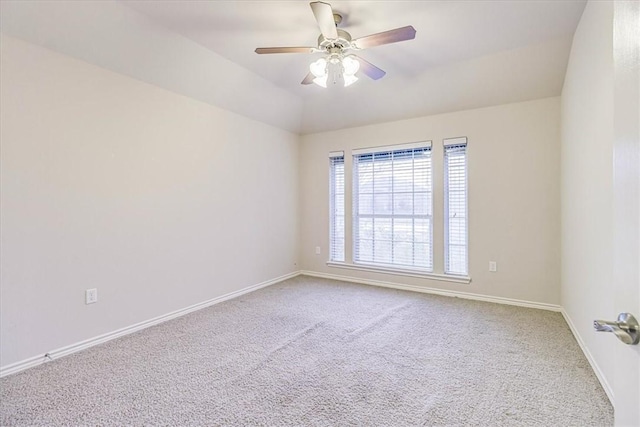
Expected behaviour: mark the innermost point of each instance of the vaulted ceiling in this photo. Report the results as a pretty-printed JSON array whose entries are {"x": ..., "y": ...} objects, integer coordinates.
[{"x": 466, "y": 54}]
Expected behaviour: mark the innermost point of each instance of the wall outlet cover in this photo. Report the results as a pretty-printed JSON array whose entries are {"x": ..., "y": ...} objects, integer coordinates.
[{"x": 91, "y": 296}]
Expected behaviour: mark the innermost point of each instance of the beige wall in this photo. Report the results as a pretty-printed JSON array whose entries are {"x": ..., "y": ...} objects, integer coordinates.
[
  {"x": 156, "y": 199},
  {"x": 587, "y": 181},
  {"x": 514, "y": 198}
]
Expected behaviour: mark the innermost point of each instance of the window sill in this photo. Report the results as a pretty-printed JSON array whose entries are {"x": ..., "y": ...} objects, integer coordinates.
[{"x": 401, "y": 272}]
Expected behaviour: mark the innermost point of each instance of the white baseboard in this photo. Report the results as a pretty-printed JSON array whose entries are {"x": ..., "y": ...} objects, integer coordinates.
[
  {"x": 73, "y": 348},
  {"x": 603, "y": 381},
  {"x": 427, "y": 290}
]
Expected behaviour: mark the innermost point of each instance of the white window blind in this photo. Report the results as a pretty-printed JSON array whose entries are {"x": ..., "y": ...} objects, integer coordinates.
[
  {"x": 336, "y": 203},
  {"x": 455, "y": 206},
  {"x": 392, "y": 207}
]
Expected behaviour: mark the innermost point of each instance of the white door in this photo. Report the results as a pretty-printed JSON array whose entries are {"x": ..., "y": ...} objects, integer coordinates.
[{"x": 626, "y": 269}]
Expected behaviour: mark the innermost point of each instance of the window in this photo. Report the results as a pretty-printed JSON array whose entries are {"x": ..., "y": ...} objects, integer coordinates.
[
  {"x": 392, "y": 206},
  {"x": 455, "y": 206},
  {"x": 336, "y": 206}
]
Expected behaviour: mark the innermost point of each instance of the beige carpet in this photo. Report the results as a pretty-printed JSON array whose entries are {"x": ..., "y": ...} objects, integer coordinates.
[{"x": 312, "y": 352}]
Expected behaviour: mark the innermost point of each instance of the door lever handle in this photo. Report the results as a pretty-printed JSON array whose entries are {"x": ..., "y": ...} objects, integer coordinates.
[{"x": 626, "y": 328}]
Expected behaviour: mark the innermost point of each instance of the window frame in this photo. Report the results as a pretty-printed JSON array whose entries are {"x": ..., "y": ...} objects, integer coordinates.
[
  {"x": 335, "y": 158},
  {"x": 450, "y": 144},
  {"x": 358, "y": 263}
]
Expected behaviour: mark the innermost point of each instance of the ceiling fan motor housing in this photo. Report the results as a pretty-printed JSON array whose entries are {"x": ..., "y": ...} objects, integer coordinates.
[{"x": 343, "y": 41}]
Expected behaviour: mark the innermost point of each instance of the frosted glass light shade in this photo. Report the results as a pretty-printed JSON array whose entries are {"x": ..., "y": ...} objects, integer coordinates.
[
  {"x": 319, "y": 68},
  {"x": 350, "y": 65},
  {"x": 349, "y": 79},
  {"x": 321, "y": 81}
]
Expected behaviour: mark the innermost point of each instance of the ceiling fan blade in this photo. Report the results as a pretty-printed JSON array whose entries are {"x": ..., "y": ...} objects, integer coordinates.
[
  {"x": 324, "y": 16},
  {"x": 369, "y": 69},
  {"x": 262, "y": 50},
  {"x": 391, "y": 36},
  {"x": 308, "y": 79}
]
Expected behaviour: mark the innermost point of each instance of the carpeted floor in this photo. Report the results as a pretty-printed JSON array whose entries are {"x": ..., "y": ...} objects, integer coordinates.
[{"x": 313, "y": 352}]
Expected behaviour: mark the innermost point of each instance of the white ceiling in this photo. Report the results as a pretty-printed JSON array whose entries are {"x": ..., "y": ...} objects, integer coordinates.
[{"x": 466, "y": 54}]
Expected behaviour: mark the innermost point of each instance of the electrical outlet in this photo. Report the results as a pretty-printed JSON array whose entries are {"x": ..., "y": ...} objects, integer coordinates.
[
  {"x": 317, "y": 250},
  {"x": 91, "y": 296},
  {"x": 493, "y": 266}
]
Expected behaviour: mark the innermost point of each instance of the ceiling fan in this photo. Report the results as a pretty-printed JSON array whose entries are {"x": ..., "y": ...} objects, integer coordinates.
[{"x": 336, "y": 43}]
